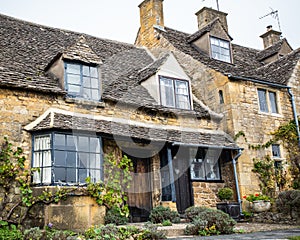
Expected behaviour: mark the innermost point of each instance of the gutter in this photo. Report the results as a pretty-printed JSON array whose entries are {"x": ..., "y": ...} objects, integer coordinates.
[{"x": 275, "y": 85}]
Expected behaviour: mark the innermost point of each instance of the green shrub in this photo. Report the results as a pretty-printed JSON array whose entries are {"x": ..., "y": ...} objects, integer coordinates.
[
  {"x": 103, "y": 232},
  {"x": 114, "y": 216},
  {"x": 211, "y": 220},
  {"x": 8, "y": 232},
  {"x": 112, "y": 232},
  {"x": 167, "y": 223},
  {"x": 196, "y": 226},
  {"x": 288, "y": 202},
  {"x": 193, "y": 211},
  {"x": 160, "y": 214},
  {"x": 150, "y": 232},
  {"x": 54, "y": 234},
  {"x": 225, "y": 193},
  {"x": 34, "y": 233}
]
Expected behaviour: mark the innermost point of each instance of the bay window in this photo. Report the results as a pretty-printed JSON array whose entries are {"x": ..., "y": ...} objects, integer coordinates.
[{"x": 63, "y": 158}]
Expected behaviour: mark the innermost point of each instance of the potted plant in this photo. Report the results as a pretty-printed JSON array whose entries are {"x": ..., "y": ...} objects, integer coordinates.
[
  {"x": 258, "y": 202},
  {"x": 232, "y": 208}
]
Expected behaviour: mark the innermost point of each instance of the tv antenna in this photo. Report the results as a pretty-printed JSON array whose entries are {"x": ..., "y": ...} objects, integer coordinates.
[
  {"x": 217, "y": 4},
  {"x": 274, "y": 14}
]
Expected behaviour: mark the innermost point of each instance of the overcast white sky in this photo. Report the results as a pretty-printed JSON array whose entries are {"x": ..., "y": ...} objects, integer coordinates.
[{"x": 119, "y": 19}]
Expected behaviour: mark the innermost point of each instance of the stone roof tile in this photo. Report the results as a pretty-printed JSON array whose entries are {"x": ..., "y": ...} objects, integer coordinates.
[
  {"x": 150, "y": 132},
  {"x": 245, "y": 60}
]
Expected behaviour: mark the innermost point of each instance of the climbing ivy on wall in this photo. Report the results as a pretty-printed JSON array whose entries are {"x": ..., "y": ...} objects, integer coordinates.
[
  {"x": 17, "y": 196},
  {"x": 264, "y": 167}
]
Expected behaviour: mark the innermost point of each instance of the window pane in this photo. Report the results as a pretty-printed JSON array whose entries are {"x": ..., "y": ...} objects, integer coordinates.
[
  {"x": 276, "y": 150},
  {"x": 167, "y": 92},
  {"x": 95, "y": 94},
  {"x": 95, "y": 175},
  {"x": 46, "y": 173},
  {"x": 74, "y": 89},
  {"x": 86, "y": 82},
  {"x": 94, "y": 145},
  {"x": 212, "y": 168},
  {"x": 85, "y": 70},
  {"x": 87, "y": 93},
  {"x": 181, "y": 87},
  {"x": 73, "y": 79},
  {"x": 73, "y": 68},
  {"x": 83, "y": 160},
  {"x": 71, "y": 175},
  {"x": 71, "y": 159},
  {"x": 71, "y": 142},
  {"x": 59, "y": 174},
  {"x": 59, "y": 141},
  {"x": 94, "y": 72},
  {"x": 183, "y": 102},
  {"x": 59, "y": 158},
  {"x": 262, "y": 100},
  {"x": 95, "y": 83},
  {"x": 273, "y": 102},
  {"x": 82, "y": 175}
]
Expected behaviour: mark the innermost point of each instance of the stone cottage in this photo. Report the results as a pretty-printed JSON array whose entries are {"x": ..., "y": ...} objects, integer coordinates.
[
  {"x": 68, "y": 99},
  {"x": 256, "y": 90}
]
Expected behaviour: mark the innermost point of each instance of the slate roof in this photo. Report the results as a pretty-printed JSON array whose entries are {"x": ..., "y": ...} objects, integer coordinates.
[
  {"x": 57, "y": 119},
  {"x": 28, "y": 49},
  {"x": 272, "y": 50},
  {"x": 207, "y": 28},
  {"x": 245, "y": 60}
]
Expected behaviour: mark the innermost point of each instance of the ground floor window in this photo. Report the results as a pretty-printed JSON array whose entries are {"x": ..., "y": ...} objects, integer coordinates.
[
  {"x": 66, "y": 158},
  {"x": 205, "y": 164}
]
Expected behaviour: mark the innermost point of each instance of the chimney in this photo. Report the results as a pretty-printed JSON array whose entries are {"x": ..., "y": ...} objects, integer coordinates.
[
  {"x": 151, "y": 15},
  {"x": 270, "y": 37},
  {"x": 206, "y": 15}
]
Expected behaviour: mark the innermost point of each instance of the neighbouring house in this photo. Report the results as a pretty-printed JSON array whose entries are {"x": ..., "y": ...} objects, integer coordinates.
[
  {"x": 68, "y": 99},
  {"x": 256, "y": 90}
]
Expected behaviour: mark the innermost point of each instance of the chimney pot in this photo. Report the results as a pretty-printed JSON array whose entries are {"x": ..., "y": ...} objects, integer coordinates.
[{"x": 270, "y": 37}]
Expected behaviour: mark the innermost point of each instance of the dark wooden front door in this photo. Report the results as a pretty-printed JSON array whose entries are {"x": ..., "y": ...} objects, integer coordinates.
[
  {"x": 182, "y": 181},
  {"x": 139, "y": 193}
]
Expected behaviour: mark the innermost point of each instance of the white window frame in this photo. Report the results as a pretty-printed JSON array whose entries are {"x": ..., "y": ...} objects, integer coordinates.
[
  {"x": 267, "y": 101},
  {"x": 171, "y": 93},
  {"x": 220, "y": 49}
]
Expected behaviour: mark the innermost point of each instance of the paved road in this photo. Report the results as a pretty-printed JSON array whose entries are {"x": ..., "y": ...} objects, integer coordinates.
[{"x": 278, "y": 234}]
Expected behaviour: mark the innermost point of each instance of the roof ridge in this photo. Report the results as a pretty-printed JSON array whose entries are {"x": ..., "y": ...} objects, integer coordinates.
[{"x": 28, "y": 22}]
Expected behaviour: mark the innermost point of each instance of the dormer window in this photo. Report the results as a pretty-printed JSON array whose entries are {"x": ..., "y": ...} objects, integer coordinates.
[
  {"x": 82, "y": 81},
  {"x": 220, "y": 49},
  {"x": 174, "y": 93}
]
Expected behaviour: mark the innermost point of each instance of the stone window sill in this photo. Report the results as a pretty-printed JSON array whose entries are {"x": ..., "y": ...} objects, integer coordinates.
[{"x": 85, "y": 102}]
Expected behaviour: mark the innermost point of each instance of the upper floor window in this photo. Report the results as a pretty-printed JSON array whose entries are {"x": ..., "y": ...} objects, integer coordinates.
[
  {"x": 267, "y": 101},
  {"x": 82, "y": 81},
  {"x": 221, "y": 97},
  {"x": 276, "y": 151},
  {"x": 175, "y": 93},
  {"x": 66, "y": 159},
  {"x": 220, "y": 49}
]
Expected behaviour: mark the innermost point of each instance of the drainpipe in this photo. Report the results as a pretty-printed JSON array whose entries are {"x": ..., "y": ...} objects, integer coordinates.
[
  {"x": 295, "y": 114},
  {"x": 234, "y": 161}
]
